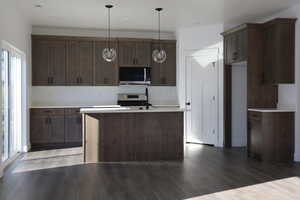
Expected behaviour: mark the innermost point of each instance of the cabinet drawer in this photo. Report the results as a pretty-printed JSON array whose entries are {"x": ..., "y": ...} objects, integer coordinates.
[
  {"x": 46, "y": 111},
  {"x": 72, "y": 111}
]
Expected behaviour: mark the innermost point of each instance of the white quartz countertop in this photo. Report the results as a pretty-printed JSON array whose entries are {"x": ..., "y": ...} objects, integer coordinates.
[
  {"x": 132, "y": 109},
  {"x": 270, "y": 110}
]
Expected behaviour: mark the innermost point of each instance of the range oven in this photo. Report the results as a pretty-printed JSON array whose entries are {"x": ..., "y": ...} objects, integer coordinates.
[{"x": 135, "y": 75}]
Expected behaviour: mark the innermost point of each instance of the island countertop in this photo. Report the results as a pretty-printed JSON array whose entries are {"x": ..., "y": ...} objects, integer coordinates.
[{"x": 132, "y": 109}]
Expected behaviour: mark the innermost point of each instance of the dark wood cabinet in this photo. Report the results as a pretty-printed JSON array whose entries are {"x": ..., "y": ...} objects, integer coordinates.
[
  {"x": 235, "y": 46},
  {"x": 80, "y": 63},
  {"x": 48, "y": 63},
  {"x": 271, "y": 136},
  {"x": 55, "y": 128},
  {"x": 134, "y": 53},
  {"x": 279, "y": 51},
  {"x": 164, "y": 74},
  {"x": 46, "y": 127},
  {"x": 73, "y": 126},
  {"x": 106, "y": 73}
]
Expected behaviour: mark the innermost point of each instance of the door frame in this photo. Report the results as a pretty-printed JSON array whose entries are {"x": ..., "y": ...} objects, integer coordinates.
[
  {"x": 24, "y": 106},
  {"x": 198, "y": 52}
]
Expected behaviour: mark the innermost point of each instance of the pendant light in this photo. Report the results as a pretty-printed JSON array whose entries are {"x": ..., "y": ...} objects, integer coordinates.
[
  {"x": 159, "y": 55},
  {"x": 109, "y": 54}
]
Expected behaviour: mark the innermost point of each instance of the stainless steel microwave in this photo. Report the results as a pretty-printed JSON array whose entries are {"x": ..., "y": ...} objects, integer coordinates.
[{"x": 135, "y": 75}]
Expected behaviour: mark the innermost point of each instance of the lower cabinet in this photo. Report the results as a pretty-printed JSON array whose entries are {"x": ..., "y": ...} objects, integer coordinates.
[
  {"x": 55, "y": 128},
  {"x": 73, "y": 126},
  {"x": 271, "y": 136}
]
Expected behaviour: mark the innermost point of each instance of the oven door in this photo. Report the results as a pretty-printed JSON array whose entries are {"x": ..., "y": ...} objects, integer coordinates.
[{"x": 135, "y": 75}]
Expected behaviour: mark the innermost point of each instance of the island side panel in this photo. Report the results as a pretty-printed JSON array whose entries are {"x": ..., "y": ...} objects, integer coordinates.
[{"x": 91, "y": 139}]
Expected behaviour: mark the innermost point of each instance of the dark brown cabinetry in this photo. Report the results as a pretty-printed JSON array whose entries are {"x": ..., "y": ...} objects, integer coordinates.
[
  {"x": 80, "y": 63},
  {"x": 134, "y": 53},
  {"x": 47, "y": 126},
  {"x": 236, "y": 46},
  {"x": 73, "y": 126},
  {"x": 279, "y": 51},
  {"x": 72, "y": 61},
  {"x": 55, "y": 128},
  {"x": 271, "y": 136},
  {"x": 113, "y": 137},
  {"x": 48, "y": 63},
  {"x": 165, "y": 73},
  {"x": 106, "y": 73}
]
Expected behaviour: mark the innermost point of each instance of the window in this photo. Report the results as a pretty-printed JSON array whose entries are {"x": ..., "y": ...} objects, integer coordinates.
[{"x": 11, "y": 98}]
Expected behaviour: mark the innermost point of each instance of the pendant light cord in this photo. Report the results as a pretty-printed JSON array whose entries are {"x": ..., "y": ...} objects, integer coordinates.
[
  {"x": 109, "y": 28},
  {"x": 159, "y": 30}
]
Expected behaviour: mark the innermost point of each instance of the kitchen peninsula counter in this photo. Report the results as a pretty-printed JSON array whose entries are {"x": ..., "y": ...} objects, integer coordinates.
[{"x": 132, "y": 134}]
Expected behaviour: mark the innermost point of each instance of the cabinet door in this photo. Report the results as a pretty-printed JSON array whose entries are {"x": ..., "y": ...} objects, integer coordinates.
[
  {"x": 165, "y": 73},
  {"x": 73, "y": 66},
  {"x": 143, "y": 54},
  {"x": 232, "y": 54},
  {"x": 242, "y": 40},
  {"x": 56, "y": 129},
  {"x": 127, "y": 52},
  {"x": 40, "y": 62},
  {"x": 57, "y": 62},
  {"x": 80, "y": 63},
  {"x": 269, "y": 53},
  {"x": 73, "y": 127},
  {"x": 255, "y": 136},
  {"x": 106, "y": 73},
  {"x": 39, "y": 129}
]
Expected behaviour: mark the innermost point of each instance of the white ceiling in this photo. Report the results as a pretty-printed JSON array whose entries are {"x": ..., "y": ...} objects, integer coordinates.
[{"x": 140, "y": 14}]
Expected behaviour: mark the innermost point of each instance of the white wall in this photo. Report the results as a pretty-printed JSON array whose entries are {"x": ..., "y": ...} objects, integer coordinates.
[
  {"x": 87, "y": 96},
  {"x": 16, "y": 29},
  {"x": 199, "y": 38},
  {"x": 239, "y": 105},
  {"x": 99, "y": 95}
]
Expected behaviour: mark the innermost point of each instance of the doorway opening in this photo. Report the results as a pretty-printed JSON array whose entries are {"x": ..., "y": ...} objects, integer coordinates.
[{"x": 202, "y": 81}]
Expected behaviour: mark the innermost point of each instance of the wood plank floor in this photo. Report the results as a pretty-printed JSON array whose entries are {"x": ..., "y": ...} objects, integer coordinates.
[{"x": 205, "y": 173}]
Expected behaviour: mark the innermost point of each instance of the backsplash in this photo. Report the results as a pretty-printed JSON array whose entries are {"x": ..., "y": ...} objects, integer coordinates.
[{"x": 89, "y": 95}]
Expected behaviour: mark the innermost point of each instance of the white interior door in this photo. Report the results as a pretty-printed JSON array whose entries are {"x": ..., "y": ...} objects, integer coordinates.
[{"x": 202, "y": 97}]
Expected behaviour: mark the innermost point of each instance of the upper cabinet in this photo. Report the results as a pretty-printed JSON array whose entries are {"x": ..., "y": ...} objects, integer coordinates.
[
  {"x": 279, "y": 51},
  {"x": 164, "y": 74},
  {"x": 48, "y": 63},
  {"x": 235, "y": 43},
  {"x": 80, "y": 62},
  {"x": 106, "y": 73},
  {"x": 134, "y": 53}
]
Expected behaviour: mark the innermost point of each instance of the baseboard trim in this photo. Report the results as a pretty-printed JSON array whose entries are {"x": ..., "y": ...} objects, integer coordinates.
[
  {"x": 297, "y": 157},
  {"x": 26, "y": 148}
]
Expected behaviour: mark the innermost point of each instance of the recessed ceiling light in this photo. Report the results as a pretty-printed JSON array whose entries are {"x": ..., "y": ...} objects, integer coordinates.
[{"x": 39, "y": 3}]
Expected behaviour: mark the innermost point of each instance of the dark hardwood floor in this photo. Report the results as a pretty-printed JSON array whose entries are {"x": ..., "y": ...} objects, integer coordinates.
[{"x": 205, "y": 170}]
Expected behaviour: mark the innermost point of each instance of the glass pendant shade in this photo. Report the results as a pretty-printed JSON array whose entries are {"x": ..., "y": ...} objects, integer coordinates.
[
  {"x": 109, "y": 54},
  {"x": 159, "y": 56}
]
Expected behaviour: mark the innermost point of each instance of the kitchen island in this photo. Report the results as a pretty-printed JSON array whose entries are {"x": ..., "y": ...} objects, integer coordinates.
[{"x": 132, "y": 134}]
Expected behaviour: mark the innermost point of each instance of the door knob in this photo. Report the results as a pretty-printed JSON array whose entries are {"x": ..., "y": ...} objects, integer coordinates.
[{"x": 188, "y": 103}]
